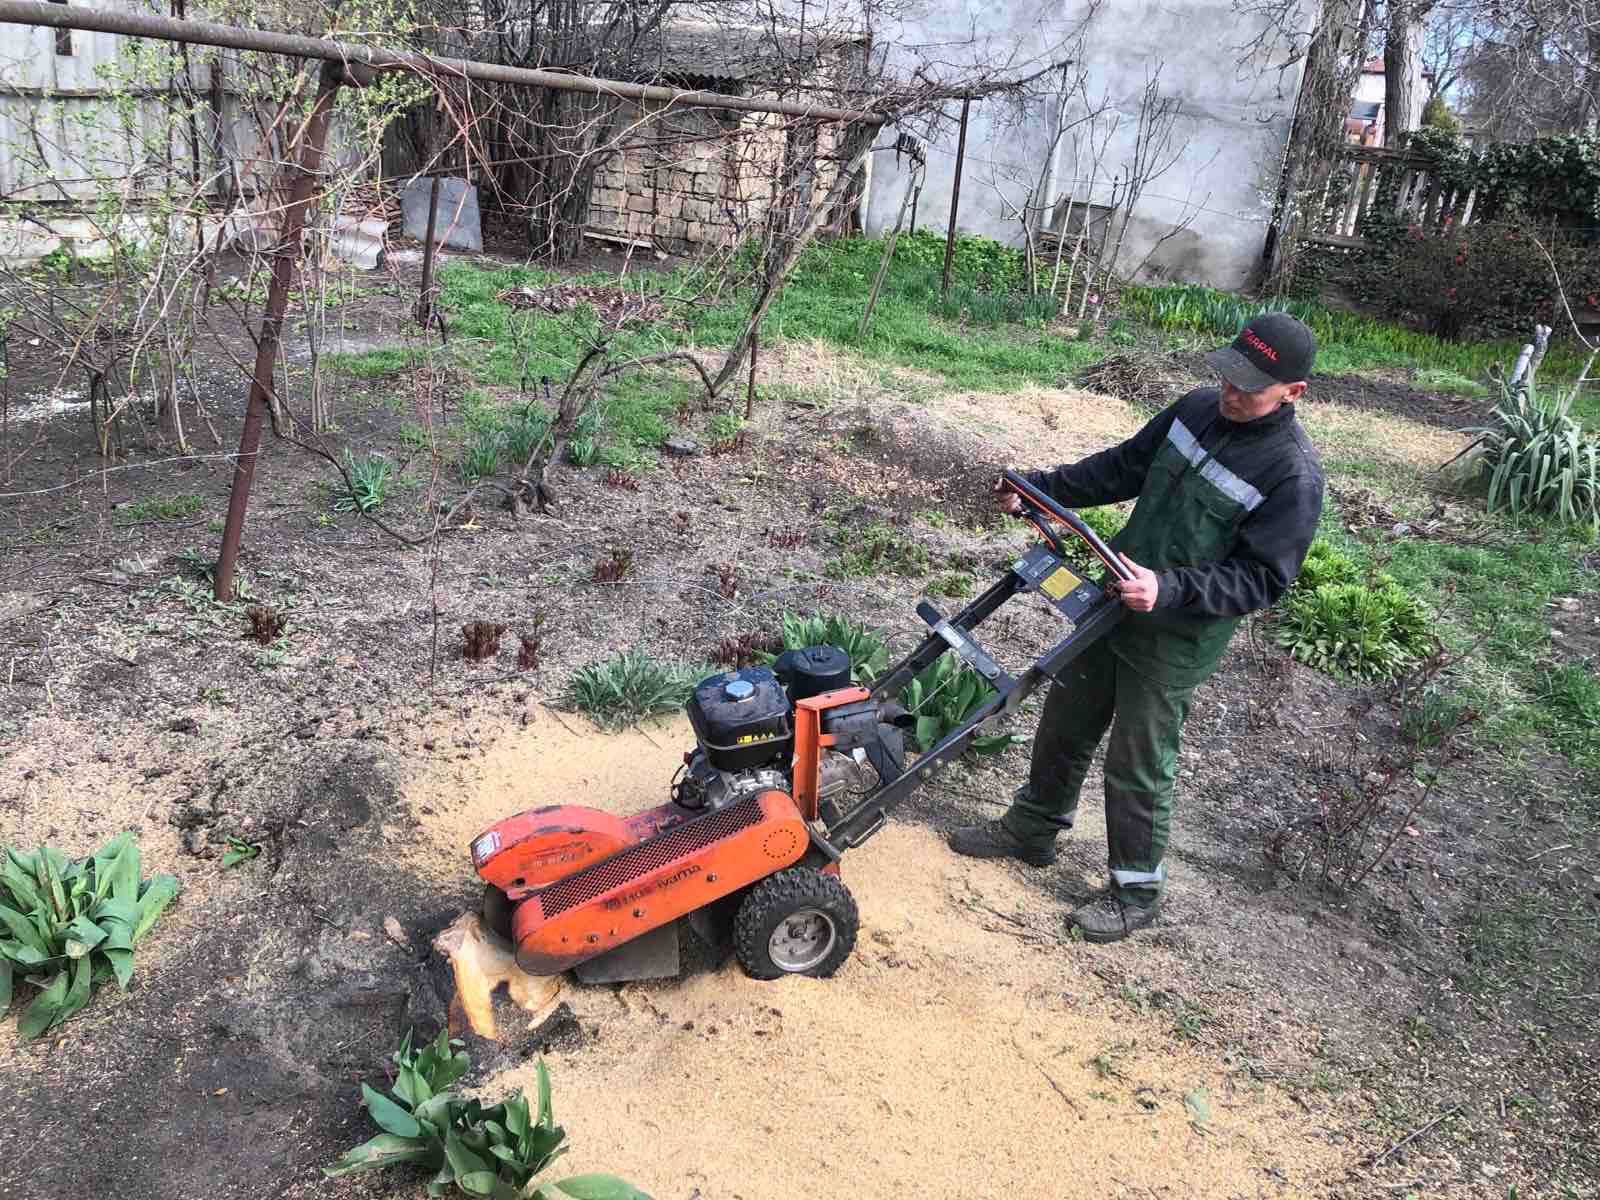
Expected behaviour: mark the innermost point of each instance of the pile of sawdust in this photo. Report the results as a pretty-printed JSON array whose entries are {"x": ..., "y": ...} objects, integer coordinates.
[
  {"x": 557, "y": 758},
  {"x": 964, "y": 1049}
]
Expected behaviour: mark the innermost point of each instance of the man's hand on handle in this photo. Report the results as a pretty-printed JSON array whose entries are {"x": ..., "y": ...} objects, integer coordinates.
[
  {"x": 1138, "y": 593},
  {"x": 1008, "y": 501}
]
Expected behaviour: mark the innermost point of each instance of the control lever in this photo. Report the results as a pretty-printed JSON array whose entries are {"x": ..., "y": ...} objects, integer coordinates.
[{"x": 962, "y": 644}]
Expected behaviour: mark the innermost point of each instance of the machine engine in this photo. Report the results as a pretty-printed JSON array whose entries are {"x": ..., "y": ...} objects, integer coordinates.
[{"x": 744, "y": 726}]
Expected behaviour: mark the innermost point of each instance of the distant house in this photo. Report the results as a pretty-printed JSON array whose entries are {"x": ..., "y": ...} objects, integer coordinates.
[{"x": 1365, "y": 123}]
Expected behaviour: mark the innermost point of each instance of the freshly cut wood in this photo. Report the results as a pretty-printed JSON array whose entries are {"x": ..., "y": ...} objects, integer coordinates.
[{"x": 480, "y": 963}]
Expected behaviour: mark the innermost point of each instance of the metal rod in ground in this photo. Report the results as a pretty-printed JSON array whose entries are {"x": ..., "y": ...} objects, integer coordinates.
[
  {"x": 425, "y": 299},
  {"x": 750, "y": 395},
  {"x": 304, "y": 174},
  {"x": 955, "y": 198},
  {"x": 207, "y": 33}
]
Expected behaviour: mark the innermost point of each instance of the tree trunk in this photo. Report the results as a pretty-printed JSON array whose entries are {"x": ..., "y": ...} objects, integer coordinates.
[{"x": 1403, "y": 89}]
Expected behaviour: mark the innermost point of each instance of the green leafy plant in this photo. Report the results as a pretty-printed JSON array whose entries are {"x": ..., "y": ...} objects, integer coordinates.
[
  {"x": 71, "y": 925},
  {"x": 370, "y": 477},
  {"x": 481, "y": 459},
  {"x": 1539, "y": 459},
  {"x": 491, "y": 1150},
  {"x": 526, "y": 433},
  {"x": 1326, "y": 564},
  {"x": 868, "y": 654},
  {"x": 239, "y": 850},
  {"x": 878, "y": 549},
  {"x": 1356, "y": 630},
  {"x": 630, "y": 686},
  {"x": 943, "y": 696},
  {"x": 583, "y": 447}
]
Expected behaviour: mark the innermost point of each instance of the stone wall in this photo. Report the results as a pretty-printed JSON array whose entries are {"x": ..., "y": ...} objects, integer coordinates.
[{"x": 699, "y": 180}]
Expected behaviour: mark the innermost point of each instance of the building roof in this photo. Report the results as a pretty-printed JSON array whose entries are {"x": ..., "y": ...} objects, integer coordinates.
[{"x": 733, "y": 53}]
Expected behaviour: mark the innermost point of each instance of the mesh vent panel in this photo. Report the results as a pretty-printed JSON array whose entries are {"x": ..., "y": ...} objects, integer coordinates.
[{"x": 647, "y": 857}]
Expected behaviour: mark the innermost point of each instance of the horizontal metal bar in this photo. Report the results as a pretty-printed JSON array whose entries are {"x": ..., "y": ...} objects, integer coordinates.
[{"x": 206, "y": 33}]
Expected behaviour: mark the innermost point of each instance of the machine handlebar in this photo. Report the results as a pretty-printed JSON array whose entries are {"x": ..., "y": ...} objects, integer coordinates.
[{"x": 1046, "y": 508}]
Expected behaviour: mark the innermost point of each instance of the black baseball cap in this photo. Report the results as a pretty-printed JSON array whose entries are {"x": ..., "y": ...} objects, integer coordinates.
[{"x": 1274, "y": 348}]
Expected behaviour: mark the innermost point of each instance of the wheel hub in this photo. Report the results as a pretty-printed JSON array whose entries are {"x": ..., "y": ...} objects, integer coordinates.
[{"x": 802, "y": 940}]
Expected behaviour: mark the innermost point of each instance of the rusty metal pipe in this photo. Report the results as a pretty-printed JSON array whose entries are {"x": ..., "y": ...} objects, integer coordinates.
[
  {"x": 284, "y": 256},
  {"x": 206, "y": 33}
]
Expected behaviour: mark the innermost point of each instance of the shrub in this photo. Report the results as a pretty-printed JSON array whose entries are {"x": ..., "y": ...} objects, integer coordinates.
[
  {"x": 1486, "y": 278},
  {"x": 72, "y": 925},
  {"x": 493, "y": 1150},
  {"x": 1356, "y": 630},
  {"x": 1538, "y": 459},
  {"x": 631, "y": 686}
]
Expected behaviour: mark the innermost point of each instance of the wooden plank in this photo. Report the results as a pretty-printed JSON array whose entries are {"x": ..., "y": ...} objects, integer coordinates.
[{"x": 1337, "y": 240}]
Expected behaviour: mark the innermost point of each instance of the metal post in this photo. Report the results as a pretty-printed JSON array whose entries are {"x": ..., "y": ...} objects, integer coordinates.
[
  {"x": 425, "y": 300},
  {"x": 955, "y": 199},
  {"x": 305, "y": 174}
]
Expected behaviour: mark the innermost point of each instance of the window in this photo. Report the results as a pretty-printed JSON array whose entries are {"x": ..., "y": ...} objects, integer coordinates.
[{"x": 63, "y": 36}]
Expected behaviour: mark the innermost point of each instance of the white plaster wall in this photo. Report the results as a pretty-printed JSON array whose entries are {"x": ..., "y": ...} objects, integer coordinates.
[{"x": 1232, "y": 139}]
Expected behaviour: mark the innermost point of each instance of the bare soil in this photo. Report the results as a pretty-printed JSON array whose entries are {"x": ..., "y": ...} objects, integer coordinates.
[{"x": 1262, "y": 1040}]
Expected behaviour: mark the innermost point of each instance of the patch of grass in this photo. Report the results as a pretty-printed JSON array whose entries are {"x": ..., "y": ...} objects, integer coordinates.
[
  {"x": 377, "y": 364},
  {"x": 414, "y": 435},
  {"x": 1348, "y": 343},
  {"x": 724, "y": 425},
  {"x": 525, "y": 432},
  {"x": 878, "y": 549},
  {"x": 1451, "y": 383},
  {"x": 631, "y": 686},
  {"x": 158, "y": 508},
  {"x": 955, "y": 584},
  {"x": 481, "y": 458}
]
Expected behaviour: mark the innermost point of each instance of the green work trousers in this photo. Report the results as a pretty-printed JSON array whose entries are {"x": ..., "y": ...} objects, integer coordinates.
[{"x": 1100, "y": 691}]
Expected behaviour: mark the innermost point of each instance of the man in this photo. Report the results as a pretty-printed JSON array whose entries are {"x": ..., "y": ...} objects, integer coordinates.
[{"x": 1229, "y": 492}]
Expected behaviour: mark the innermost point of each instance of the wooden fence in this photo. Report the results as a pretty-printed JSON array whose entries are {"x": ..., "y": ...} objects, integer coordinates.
[{"x": 1370, "y": 176}]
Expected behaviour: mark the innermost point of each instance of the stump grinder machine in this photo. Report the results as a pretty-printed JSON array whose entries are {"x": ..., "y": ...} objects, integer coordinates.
[{"x": 794, "y": 766}]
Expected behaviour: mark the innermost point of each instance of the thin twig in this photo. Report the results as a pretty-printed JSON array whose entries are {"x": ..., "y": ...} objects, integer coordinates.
[{"x": 1414, "y": 1135}]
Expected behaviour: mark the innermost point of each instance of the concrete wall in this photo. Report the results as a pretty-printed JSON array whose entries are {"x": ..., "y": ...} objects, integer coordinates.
[{"x": 1232, "y": 137}]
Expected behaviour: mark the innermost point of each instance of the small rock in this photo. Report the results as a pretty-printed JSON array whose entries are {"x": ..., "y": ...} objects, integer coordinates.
[
  {"x": 184, "y": 725},
  {"x": 682, "y": 446},
  {"x": 396, "y": 934}
]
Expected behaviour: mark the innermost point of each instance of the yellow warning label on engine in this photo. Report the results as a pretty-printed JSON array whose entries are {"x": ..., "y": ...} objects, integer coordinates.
[{"x": 1059, "y": 583}]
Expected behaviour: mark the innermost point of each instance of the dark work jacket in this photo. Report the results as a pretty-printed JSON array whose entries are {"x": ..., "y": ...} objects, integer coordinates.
[{"x": 1225, "y": 515}]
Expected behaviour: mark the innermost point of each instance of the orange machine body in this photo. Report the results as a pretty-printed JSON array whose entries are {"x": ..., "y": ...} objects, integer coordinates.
[{"x": 615, "y": 889}]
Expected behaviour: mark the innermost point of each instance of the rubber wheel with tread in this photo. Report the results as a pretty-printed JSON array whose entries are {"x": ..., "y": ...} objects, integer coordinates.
[
  {"x": 797, "y": 922},
  {"x": 497, "y": 908}
]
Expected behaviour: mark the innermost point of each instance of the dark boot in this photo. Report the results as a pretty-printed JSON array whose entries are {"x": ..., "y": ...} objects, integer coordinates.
[
  {"x": 1110, "y": 918},
  {"x": 993, "y": 840}
]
